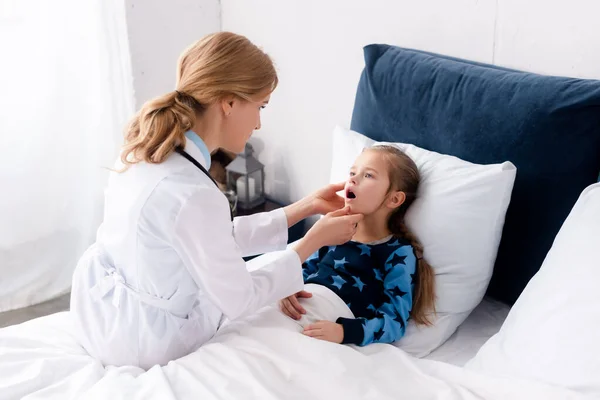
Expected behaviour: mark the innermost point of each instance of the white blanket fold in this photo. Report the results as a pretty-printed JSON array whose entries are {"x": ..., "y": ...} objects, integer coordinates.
[{"x": 264, "y": 356}]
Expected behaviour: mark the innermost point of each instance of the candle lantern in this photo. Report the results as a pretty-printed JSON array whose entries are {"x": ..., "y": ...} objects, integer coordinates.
[{"x": 246, "y": 175}]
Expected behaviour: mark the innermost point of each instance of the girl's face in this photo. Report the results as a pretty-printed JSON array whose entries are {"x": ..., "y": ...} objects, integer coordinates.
[
  {"x": 242, "y": 118},
  {"x": 368, "y": 184}
]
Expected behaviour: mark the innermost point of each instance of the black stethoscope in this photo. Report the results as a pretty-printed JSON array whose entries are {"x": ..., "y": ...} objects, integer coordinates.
[{"x": 191, "y": 159}]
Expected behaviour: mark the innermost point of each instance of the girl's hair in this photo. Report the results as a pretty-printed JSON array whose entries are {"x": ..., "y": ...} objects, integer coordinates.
[
  {"x": 218, "y": 65},
  {"x": 404, "y": 176}
]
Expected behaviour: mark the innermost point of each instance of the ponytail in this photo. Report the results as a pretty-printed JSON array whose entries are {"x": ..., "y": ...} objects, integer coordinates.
[
  {"x": 424, "y": 290},
  {"x": 159, "y": 127}
]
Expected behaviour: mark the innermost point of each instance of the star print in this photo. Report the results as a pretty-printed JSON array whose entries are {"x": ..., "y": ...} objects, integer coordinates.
[
  {"x": 397, "y": 292},
  {"x": 340, "y": 263},
  {"x": 377, "y": 335},
  {"x": 359, "y": 284},
  {"x": 379, "y": 301},
  {"x": 412, "y": 277},
  {"x": 313, "y": 256},
  {"x": 364, "y": 249},
  {"x": 338, "y": 281},
  {"x": 400, "y": 320},
  {"x": 396, "y": 259},
  {"x": 371, "y": 307},
  {"x": 378, "y": 275},
  {"x": 395, "y": 243},
  {"x": 349, "y": 305},
  {"x": 331, "y": 248},
  {"x": 313, "y": 275}
]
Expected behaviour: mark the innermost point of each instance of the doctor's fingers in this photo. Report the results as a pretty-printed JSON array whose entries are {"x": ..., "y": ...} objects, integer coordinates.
[{"x": 353, "y": 218}]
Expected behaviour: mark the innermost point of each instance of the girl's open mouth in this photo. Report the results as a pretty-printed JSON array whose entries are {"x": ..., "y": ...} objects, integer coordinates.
[{"x": 350, "y": 194}]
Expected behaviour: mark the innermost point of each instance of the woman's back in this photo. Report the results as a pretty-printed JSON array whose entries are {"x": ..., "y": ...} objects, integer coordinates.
[{"x": 147, "y": 278}]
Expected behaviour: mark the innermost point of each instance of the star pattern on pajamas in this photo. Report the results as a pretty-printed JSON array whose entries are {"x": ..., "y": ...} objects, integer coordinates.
[
  {"x": 374, "y": 280},
  {"x": 377, "y": 335},
  {"x": 311, "y": 276},
  {"x": 364, "y": 249},
  {"x": 397, "y": 292},
  {"x": 395, "y": 260},
  {"x": 338, "y": 281},
  {"x": 378, "y": 275},
  {"x": 359, "y": 284}
]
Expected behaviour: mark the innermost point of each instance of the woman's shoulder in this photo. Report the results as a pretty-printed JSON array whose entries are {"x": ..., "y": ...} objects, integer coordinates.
[{"x": 171, "y": 191}]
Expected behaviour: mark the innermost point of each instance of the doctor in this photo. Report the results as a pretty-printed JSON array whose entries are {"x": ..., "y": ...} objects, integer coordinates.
[{"x": 167, "y": 265}]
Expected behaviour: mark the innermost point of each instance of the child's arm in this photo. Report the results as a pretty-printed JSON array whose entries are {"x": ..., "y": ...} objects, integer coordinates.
[
  {"x": 311, "y": 265},
  {"x": 390, "y": 323}
]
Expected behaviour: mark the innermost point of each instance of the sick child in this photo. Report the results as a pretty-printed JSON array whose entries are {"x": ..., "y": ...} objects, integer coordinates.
[{"x": 380, "y": 274}]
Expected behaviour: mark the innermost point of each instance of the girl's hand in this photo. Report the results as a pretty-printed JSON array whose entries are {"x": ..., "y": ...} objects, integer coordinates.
[
  {"x": 326, "y": 330},
  {"x": 326, "y": 200},
  {"x": 291, "y": 307}
]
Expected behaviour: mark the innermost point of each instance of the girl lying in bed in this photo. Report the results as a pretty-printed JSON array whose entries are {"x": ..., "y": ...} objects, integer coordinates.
[{"x": 381, "y": 274}]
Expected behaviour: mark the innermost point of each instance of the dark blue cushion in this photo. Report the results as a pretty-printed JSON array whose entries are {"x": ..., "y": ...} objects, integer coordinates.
[{"x": 549, "y": 127}]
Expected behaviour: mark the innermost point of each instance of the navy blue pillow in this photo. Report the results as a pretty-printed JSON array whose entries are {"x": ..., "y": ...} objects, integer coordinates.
[{"x": 549, "y": 127}]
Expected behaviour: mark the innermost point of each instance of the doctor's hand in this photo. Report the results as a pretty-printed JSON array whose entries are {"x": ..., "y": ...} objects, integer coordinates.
[
  {"x": 291, "y": 307},
  {"x": 326, "y": 200},
  {"x": 334, "y": 228}
]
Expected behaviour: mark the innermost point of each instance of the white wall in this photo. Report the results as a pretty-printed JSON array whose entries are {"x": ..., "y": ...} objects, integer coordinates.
[
  {"x": 317, "y": 46},
  {"x": 158, "y": 32}
]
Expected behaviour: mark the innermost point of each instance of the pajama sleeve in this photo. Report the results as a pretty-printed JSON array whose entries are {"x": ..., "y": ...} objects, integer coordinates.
[
  {"x": 311, "y": 265},
  {"x": 391, "y": 318}
]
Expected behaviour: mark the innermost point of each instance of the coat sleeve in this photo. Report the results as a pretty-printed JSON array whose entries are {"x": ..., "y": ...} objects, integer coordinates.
[
  {"x": 261, "y": 233},
  {"x": 203, "y": 237}
]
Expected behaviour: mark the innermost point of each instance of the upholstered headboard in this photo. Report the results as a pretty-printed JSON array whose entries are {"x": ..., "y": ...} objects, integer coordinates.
[{"x": 549, "y": 127}]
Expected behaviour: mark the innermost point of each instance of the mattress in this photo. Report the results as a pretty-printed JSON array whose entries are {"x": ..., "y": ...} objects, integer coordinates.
[{"x": 485, "y": 320}]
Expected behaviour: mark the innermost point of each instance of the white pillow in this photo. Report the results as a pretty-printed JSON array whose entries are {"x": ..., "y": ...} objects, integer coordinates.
[
  {"x": 458, "y": 217},
  {"x": 552, "y": 333}
]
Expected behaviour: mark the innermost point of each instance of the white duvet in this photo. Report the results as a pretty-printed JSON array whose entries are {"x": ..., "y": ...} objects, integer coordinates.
[{"x": 260, "y": 357}]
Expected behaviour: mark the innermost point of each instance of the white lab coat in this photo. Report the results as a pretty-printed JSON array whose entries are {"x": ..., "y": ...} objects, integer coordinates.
[{"x": 167, "y": 265}]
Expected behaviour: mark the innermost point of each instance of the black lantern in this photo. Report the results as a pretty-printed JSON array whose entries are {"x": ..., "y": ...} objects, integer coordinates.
[{"x": 246, "y": 176}]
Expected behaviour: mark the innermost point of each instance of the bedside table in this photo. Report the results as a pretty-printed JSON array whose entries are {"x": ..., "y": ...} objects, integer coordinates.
[
  {"x": 267, "y": 206},
  {"x": 294, "y": 233}
]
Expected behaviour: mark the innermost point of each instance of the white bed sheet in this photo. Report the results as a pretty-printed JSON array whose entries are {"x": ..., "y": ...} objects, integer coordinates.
[
  {"x": 483, "y": 322},
  {"x": 260, "y": 357}
]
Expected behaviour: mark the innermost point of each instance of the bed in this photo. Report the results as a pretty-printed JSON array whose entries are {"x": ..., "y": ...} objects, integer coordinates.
[
  {"x": 264, "y": 356},
  {"x": 259, "y": 357},
  {"x": 483, "y": 322}
]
